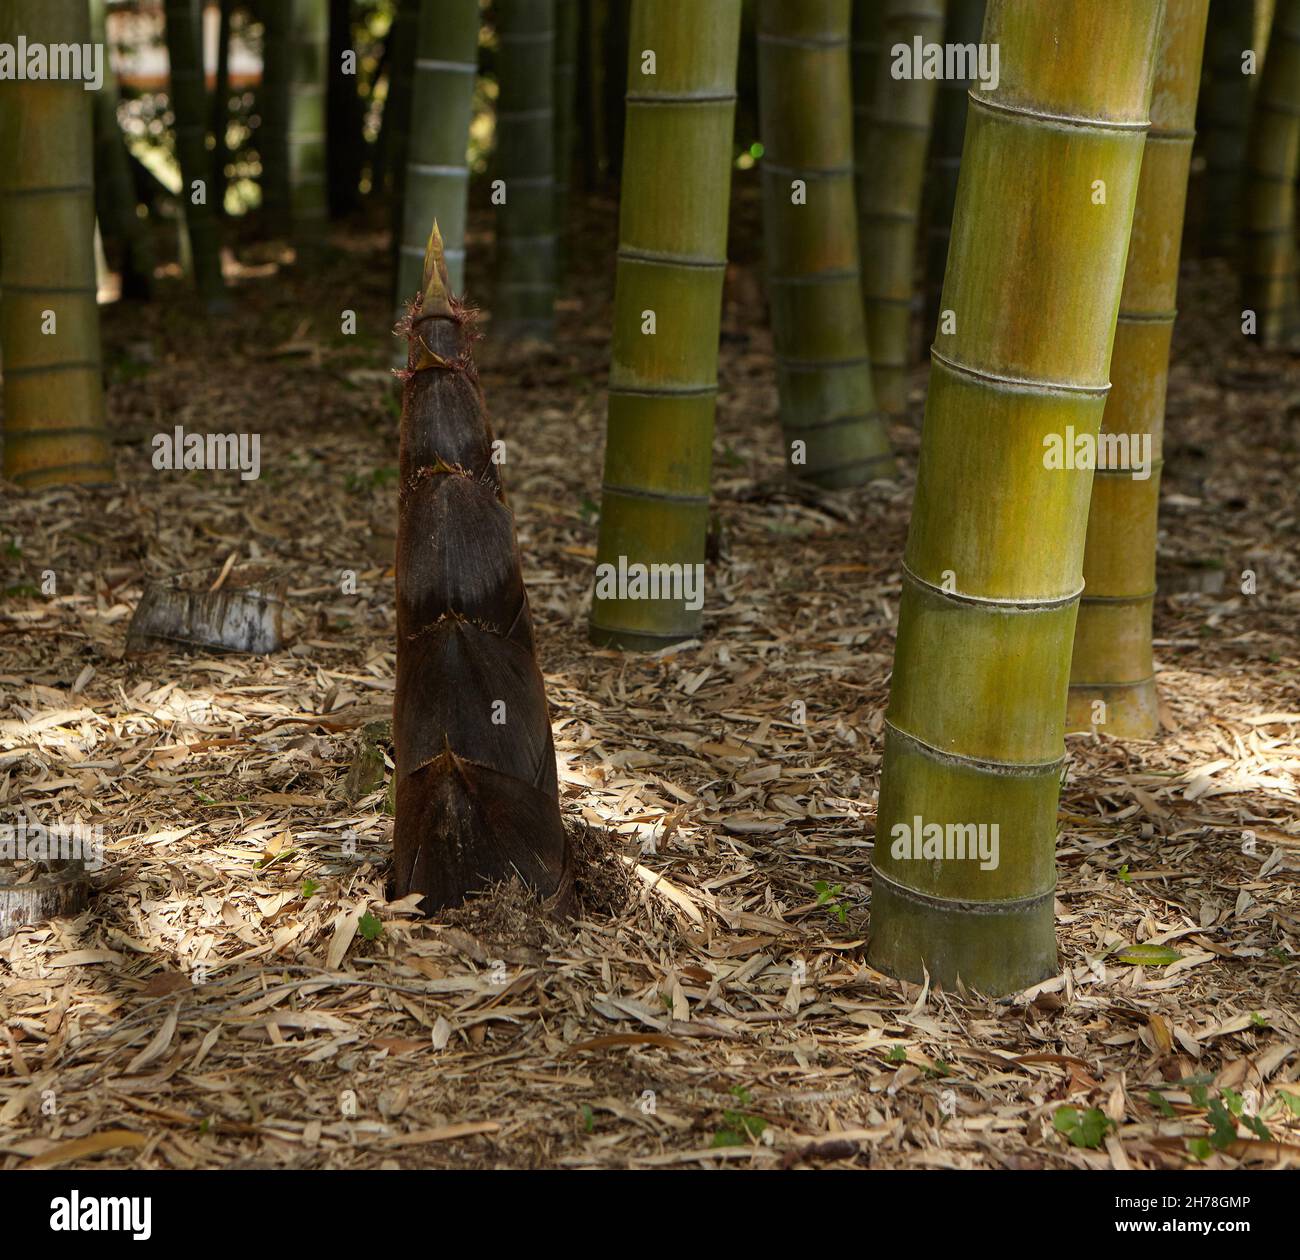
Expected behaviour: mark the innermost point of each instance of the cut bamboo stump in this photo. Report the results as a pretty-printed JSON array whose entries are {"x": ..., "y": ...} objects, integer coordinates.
[
  {"x": 33, "y": 892},
  {"x": 228, "y": 614}
]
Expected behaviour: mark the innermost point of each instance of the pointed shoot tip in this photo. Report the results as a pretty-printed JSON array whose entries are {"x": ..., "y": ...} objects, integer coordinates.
[{"x": 437, "y": 283}]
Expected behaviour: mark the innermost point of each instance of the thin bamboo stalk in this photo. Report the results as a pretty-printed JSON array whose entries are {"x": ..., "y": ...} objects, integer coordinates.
[
  {"x": 566, "y": 116},
  {"x": 390, "y": 149},
  {"x": 525, "y": 163},
  {"x": 1226, "y": 123},
  {"x": 892, "y": 135},
  {"x": 663, "y": 377},
  {"x": 993, "y": 566},
  {"x": 190, "y": 106},
  {"x": 220, "y": 107},
  {"x": 476, "y": 796},
  {"x": 344, "y": 116},
  {"x": 1112, "y": 673},
  {"x": 964, "y": 23},
  {"x": 833, "y": 430},
  {"x": 308, "y": 91},
  {"x": 127, "y": 241},
  {"x": 1272, "y": 164},
  {"x": 273, "y": 106},
  {"x": 437, "y": 174},
  {"x": 49, "y": 322}
]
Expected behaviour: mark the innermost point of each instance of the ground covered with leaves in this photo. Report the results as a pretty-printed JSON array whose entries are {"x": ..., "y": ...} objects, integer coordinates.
[{"x": 241, "y": 993}]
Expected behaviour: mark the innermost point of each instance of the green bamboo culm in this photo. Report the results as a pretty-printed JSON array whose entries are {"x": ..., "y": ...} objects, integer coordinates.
[
  {"x": 1226, "y": 124},
  {"x": 974, "y": 733},
  {"x": 127, "y": 242},
  {"x": 394, "y": 132},
  {"x": 1112, "y": 673},
  {"x": 190, "y": 106},
  {"x": 524, "y": 185},
  {"x": 1272, "y": 163},
  {"x": 663, "y": 377},
  {"x": 834, "y": 434},
  {"x": 437, "y": 172},
  {"x": 54, "y": 432},
  {"x": 567, "y": 26},
  {"x": 962, "y": 28},
  {"x": 273, "y": 107},
  {"x": 894, "y": 108},
  {"x": 308, "y": 89}
]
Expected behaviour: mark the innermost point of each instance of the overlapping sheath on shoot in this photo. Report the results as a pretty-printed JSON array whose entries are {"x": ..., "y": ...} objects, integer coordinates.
[
  {"x": 1112, "y": 674},
  {"x": 1272, "y": 163},
  {"x": 892, "y": 135},
  {"x": 437, "y": 168},
  {"x": 964, "y": 23},
  {"x": 189, "y": 101},
  {"x": 53, "y": 394},
  {"x": 663, "y": 378},
  {"x": 993, "y": 566},
  {"x": 476, "y": 796},
  {"x": 810, "y": 233},
  {"x": 525, "y": 161}
]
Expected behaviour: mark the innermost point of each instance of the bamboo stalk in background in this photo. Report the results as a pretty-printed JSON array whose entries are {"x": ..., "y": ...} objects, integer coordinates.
[
  {"x": 437, "y": 175},
  {"x": 892, "y": 136},
  {"x": 273, "y": 107},
  {"x": 190, "y": 107},
  {"x": 1112, "y": 674},
  {"x": 663, "y": 377},
  {"x": 1272, "y": 162},
  {"x": 476, "y": 795},
  {"x": 994, "y": 559},
  {"x": 833, "y": 430},
  {"x": 49, "y": 322},
  {"x": 344, "y": 117},
  {"x": 390, "y": 146},
  {"x": 308, "y": 89},
  {"x": 127, "y": 242},
  {"x": 566, "y": 114},
  {"x": 525, "y": 163},
  {"x": 220, "y": 107},
  {"x": 964, "y": 23},
  {"x": 1226, "y": 124}
]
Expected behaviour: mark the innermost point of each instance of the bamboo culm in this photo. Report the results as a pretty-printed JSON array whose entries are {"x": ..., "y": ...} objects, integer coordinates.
[
  {"x": 1272, "y": 164},
  {"x": 437, "y": 176},
  {"x": 476, "y": 797},
  {"x": 663, "y": 377},
  {"x": 189, "y": 104},
  {"x": 892, "y": 123},
  {"x": 524, "y": 169},
  {"x": 1112, "y": 673},
  {"x": 308, "y": 91},
  {"x": 833, "y": 430},
  {"x": 963, "y": 864},
  {"x": 49, "y": 320},
  {"x": 1226, "y": 124}
]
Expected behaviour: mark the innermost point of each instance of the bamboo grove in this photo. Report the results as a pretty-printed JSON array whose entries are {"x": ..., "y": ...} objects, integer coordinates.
[{"x": 972, "y": 218}]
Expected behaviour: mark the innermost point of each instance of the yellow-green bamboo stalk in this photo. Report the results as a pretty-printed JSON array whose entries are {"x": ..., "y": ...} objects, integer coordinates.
[
  {"x": 892, "y": 136},
  {"x": 437, "y": 169},
  {"x": 1112, "y": 674},
  {"x": 190, "y": 107},
  {"x": 525, "y": 170},
  {"x": 964, "y": 23},
  {"x": 49, "y": 323},
  {"x": 1226, "y": 123},
  {"x": 833, "y": 430},
  {"x": 663, "y": 379},
  {"x": 994, "y": 559},
  {"x": 308, "y": 88},
  {"x": 1273, "y": 159}
]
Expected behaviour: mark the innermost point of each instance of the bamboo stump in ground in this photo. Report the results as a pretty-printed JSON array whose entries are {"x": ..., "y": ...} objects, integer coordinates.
[{"x": 31, "y": 892}]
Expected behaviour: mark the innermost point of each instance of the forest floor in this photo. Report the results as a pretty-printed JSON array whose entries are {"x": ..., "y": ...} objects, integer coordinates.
[{"x": 240, "y": 992}]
